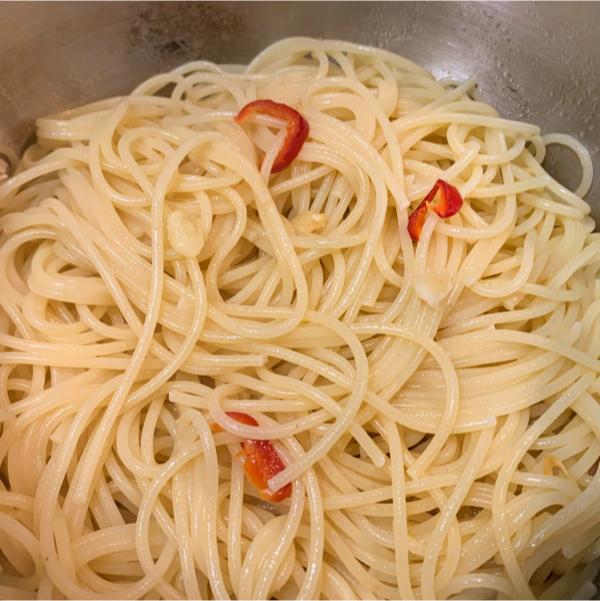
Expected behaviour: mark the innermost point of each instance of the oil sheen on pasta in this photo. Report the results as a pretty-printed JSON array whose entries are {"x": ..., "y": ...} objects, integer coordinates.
[{"x": 436, "y": 404}]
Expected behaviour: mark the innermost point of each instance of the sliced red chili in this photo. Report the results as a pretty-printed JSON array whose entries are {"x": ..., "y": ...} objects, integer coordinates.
[
  {"x": 297, "y": 128},
  {"x": 243, "y": 418},
  {"x": 416, "y": 220},
  {"x": 261, "y": 461},
  {"x": 443, "y": 198}
]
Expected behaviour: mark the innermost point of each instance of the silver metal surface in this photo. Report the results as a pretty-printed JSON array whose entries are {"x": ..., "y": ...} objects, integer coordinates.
[
  {"x": 538, "y": 62},
  {"x": 534, "y": 61}
]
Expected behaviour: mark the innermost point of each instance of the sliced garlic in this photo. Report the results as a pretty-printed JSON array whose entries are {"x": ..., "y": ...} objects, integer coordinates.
[
  {"x": 185, "y": 234},
  {"x": 433, "y": 289},
  {"x": 308, "y": 222}
]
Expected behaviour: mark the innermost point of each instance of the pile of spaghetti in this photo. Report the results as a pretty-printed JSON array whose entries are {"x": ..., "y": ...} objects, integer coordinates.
[{"x": 321, "y": 327}]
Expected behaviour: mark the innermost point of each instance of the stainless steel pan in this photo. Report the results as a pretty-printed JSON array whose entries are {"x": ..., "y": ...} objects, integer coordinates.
[{"x": 534, "y": 61}]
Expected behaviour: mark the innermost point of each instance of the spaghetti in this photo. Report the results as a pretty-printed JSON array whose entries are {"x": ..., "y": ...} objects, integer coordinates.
[{"x": 434, "y": 404}]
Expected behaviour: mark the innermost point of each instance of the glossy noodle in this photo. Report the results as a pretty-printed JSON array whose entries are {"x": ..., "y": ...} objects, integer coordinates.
[{"x": 435, "y": 404}]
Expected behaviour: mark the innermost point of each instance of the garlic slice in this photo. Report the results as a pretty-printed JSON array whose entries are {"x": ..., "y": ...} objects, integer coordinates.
[
  {"x": 185, "y": 234},
  {"x": 308, "y": 222}
]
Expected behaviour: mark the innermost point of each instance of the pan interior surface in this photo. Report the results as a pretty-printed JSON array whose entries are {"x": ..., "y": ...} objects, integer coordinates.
[{"x": 536, "y": 62}]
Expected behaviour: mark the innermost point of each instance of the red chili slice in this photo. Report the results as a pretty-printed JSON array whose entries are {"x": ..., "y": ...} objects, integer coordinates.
[
  {"x": 297, "y": 128},
  {"x": 443, "y": 198},
  {"x": 261, "y": 461},
  {"x": 243, "y": 418},
  {"x": 416, "y": 220}
]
